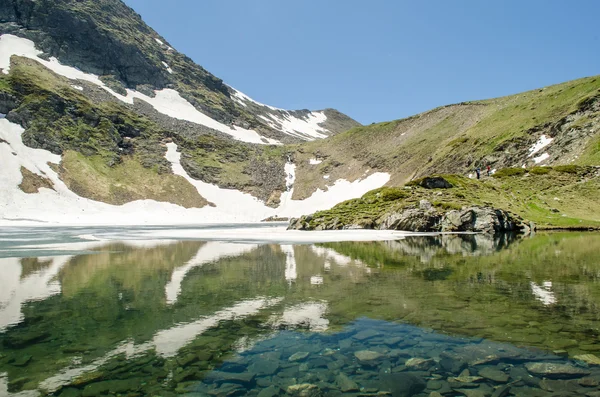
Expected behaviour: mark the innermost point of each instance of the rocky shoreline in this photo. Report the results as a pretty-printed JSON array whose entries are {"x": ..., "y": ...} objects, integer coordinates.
[{"x": 426, "y": 218}]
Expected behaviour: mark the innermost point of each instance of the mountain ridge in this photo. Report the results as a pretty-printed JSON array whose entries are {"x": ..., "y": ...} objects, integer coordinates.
[{"x": 113, "y": 138}]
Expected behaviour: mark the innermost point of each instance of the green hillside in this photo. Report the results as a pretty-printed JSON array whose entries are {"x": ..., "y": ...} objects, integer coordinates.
[{"x": 457, "y": 138}]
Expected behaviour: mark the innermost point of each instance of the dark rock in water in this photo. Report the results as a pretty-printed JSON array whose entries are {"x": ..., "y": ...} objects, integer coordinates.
[
  {"x": 502, "y": 391},
  {"x": 270, "y": 391},
  {"x": 228, "y": 390},
  {"x": 452, "y": 363},
  {"x": 556, "y": 371},
  {"x": 70, "y": 392},
  {"x": 589, "y": 382},
  {"x": 494, "y": 375},
  {"x": 264, "y": 367},
  {"x": 111, "y": 386},
  {"x": 345, "y": 383},
  {"x": 402, "y": 384},
  {"x": 521, "y": 374},
  {"x": 243, "y": 378},
  {"x": 435, "y": 182},
  {"x": 367, "y": 334}
]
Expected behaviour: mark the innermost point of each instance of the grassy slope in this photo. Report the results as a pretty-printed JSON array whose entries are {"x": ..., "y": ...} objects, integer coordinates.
[
  {"x": 453, "y": 139},
  {"x": 559, "y": 197},
  {"x": 125, "y": 182},
  {"x": 110, "y": 154}
]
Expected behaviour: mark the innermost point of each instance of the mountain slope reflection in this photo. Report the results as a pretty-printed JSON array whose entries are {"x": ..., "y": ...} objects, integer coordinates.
[{"x": 144, "y": 310}]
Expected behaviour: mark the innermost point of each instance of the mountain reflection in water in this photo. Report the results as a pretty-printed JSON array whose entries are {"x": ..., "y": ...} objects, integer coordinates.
[{"x": 182, "y": 316}]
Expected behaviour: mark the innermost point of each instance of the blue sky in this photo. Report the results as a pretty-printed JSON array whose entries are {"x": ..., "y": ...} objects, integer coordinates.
[{"x": 380, "y": 60}]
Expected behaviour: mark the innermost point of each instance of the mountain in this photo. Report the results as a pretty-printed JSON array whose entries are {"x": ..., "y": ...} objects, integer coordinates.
[{"x": 103, "y": 121}]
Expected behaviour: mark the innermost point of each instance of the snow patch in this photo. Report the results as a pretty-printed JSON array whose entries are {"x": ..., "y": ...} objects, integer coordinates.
[
  {"x": 314, "y": 161},
  {"x": 77, "y": 87},
  {"x": 541, "y": 158},
  {"x": 307, "y": 127},
  {"x": 166, "y": 65},
  {"x": 166, "y": 101},
  {"x": 540, "y": 144},
  {"x": 159, "y": 41},
  {"x": 62, "y": 206},
  {"x": 325, "y": 176},
  {"x": 316, "y": 280}
]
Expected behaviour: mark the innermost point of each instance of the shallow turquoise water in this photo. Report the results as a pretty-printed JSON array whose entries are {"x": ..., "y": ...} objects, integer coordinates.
[{"x": 453, "y": 315}]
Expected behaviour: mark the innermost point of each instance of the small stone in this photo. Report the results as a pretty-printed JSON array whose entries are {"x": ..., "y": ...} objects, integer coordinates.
[
  {"x": 345, "y": 383},
  {"x": 304, "y": 390},
  {"x": 392, "y": 341},
  {"x": 494, "y": 375},
  {"x": 298, "y": 356},
  {"x": 402, "y": 384},
  {"x": 434, "y": 385},
  {"x": 419, "y": 364},
  {"x": 473, "y": 392},
  {"x": 590, "y": 347},
  {"x": 465, "y": 379},
  {"x": 270, "y": 391},
  {"x": 244, "y": 378},
  {"x": 588, "y": 382},
  {"x": 561, "y": 353},
  {"x": 367, "y": 334},
  {"x": 367, "y": 355},
  {"x": 264, "y": 367},
  {"x": 502, "y": 391},
  {"x": 555, "y": 371},
  {"x": 589, "y": 359}
]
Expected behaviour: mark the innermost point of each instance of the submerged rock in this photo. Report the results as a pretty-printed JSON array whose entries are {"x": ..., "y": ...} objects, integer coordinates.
[
  {"x": 494, "y": 375},
  {"x": 367, "y": 355},
  {"x": 298, "y": 356},
  {"x": 419, "y": 364},
  {"x": 346, "y": 384},
  {"x": 556, "y": 371},
  {"x": 304, "y": 390},
  {"x": 402, "y": 384},
  {"x": 589, "y": 359}
]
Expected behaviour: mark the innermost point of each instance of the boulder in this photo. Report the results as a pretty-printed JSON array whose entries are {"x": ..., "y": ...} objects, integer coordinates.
[
  {"x": 435, "y": 182},
  {"x": 478, "y": 219},
  {"x": 415, "y": 220}
]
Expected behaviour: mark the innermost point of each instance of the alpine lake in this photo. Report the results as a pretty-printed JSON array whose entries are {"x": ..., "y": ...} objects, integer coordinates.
[{"x": 449, "y": 315}]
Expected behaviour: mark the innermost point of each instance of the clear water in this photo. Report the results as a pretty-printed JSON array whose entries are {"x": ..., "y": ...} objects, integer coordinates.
[{"x": 449, "y": 315}]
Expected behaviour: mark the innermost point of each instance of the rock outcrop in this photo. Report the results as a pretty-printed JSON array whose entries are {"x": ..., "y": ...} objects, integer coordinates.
[{"x": 426, "y": 218}]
